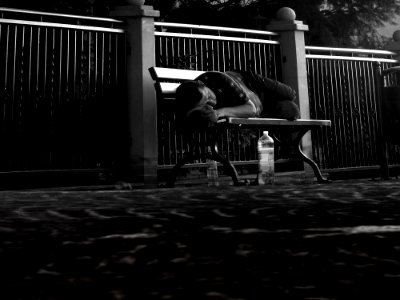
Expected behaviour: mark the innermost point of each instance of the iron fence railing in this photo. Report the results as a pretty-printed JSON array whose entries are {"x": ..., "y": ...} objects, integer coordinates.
[
  {"x": 61, "y": 80},
  {"x": 342, "y": 88},
  {"x": 58, "y": 82},
  {"x": 212, "y": 48}
]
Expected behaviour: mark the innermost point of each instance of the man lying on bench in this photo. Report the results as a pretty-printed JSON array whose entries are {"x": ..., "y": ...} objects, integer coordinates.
[
  {"x": 240, "y": 99},
  {"x": 214, "y": 95}
]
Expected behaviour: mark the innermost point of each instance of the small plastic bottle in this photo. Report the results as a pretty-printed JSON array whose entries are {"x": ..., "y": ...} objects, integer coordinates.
[
  {"x": 212, "y": 173},
  {"x": 266, "y": 161}
]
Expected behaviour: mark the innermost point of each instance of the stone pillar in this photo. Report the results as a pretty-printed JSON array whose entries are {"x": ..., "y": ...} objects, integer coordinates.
[
  {"x": 294, "y": 67},
  {"x": 142, "y": 106}
]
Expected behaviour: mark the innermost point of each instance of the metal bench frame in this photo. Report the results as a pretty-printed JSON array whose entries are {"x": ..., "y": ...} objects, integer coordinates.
[{"x": 166, "y": 80}]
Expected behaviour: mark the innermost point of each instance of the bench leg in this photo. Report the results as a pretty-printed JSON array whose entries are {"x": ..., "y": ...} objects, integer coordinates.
[
  {"x": 300, "y": 154},
  {"x": 175, "y": 170},
  {"x": 314, "y": 166},
  {"x": 229, "y": 168},
  {"x": 214, "y": 155}
]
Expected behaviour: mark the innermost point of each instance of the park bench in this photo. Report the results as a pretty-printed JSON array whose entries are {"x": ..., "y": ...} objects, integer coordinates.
[{"x": 166, "y": 80}]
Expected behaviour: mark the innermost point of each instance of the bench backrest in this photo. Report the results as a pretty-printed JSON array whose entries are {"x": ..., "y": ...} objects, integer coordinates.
[{"x": 166, "y": 80}]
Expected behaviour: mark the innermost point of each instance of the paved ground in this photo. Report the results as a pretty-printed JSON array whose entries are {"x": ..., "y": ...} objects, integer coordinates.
[{"x": 308, "y": 241}]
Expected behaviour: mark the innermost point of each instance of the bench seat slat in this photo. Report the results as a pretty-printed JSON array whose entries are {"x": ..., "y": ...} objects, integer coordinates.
[
  {"x": 168, "y": 88},
  {"x": 275, "y": 122},
  {"x": 161, "y": 74}
]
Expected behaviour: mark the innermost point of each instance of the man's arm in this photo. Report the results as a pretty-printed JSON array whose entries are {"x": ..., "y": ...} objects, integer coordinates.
[{"x": 246, "y": 110}]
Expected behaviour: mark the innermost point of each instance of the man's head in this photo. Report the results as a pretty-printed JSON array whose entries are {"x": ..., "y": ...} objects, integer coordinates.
[{"x": 194, "y": 104}]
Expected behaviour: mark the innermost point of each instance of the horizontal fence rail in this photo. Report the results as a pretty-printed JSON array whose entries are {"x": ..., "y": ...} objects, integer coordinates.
[
  {"x": 58, "y": 79},
  {"x": 205, "y": 48},
  {"x": 342, "y": 88},
  {"x": 54, "y": 18}
]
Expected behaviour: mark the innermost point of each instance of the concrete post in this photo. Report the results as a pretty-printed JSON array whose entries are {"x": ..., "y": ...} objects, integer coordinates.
[
  {"x": 142, "y": 105},
  {"x": 294, "y": 67}
]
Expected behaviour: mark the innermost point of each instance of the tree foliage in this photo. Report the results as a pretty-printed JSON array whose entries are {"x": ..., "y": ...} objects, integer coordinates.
[
  {"x": 81, "y": 7},
  {"x": 356, "y": 22},
  {"x": 346, "y": 23}
]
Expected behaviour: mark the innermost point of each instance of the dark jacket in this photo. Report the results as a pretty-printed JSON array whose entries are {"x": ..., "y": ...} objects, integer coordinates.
[{"x": 270, "y": 97}]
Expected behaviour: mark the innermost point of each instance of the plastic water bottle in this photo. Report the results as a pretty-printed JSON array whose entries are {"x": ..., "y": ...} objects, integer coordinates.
[
  {"x": 266, "y": 161},
  {"x": 212, "y": 173}
]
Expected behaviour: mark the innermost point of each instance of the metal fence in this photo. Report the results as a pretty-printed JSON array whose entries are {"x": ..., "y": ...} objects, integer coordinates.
[
  {"x": 62, "y": 95},
  {"x": 341, "y": 84},
  {"x": 212, "y": 48},
  {"x": 342, "y": 88},
  {"x": 60, "y": 79}
]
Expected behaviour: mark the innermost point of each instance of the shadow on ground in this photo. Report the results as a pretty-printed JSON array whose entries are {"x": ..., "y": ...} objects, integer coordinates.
[{"x": 296, "y": 241}]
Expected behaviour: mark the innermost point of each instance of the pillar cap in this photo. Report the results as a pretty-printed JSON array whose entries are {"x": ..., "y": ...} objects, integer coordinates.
[
  {"x": 286, "y": 21},
  {"x": 286, "y": 14},
  {"x": 396, "y": 36},
  {"x": 393, "y": 45}
]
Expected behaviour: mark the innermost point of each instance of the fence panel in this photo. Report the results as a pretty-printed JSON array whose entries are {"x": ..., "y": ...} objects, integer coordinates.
[
  {"x": 342, "y": 88},
  {"x": 58, "y": 87}
]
